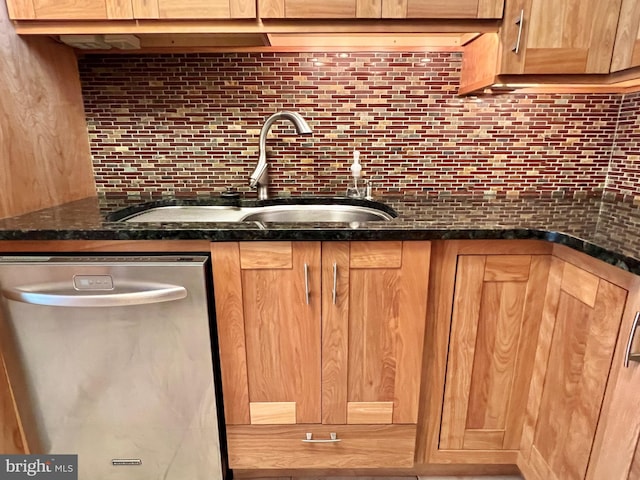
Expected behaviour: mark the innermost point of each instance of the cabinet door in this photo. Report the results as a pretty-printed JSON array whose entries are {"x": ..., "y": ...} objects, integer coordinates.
[
  {"x": 559, "y": 36},
  {"x": 626, "y": 50},
  {"x": 324, "y": 9},
  {"x": 197, "y": 9},
  {"x": 576, "y": 343},
  {"x": 497, "y": 311},
  {"x": 268, "y": 316},
  {"x": 616, "y": 450},
  {"x": 69, "y": 9},
  {"x": 442, "y": 8},
  {"x": 374, "y": 311}
]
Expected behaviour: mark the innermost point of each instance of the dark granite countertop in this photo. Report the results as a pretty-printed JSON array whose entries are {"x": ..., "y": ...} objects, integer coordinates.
[{"x": 606, "y": 230}]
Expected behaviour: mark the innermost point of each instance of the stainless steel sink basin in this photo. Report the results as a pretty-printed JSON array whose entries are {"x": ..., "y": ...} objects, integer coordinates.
[
  {"x": 290, "y": 213},
  {"x": 317, "y": 213}
]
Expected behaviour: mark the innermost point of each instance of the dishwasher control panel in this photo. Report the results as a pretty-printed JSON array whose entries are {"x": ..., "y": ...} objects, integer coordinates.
[{"x": 93, "y": 282}]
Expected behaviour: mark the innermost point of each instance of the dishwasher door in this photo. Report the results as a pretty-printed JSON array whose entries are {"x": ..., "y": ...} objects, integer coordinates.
[{"x": 112, "y": 361}]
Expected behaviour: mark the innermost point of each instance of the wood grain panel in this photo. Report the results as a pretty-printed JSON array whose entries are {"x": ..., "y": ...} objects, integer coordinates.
[
  {"x": 266, "y": 255},
  {"x": 45, "y": 159},
  {"x": 70, "y": 9},
  {"x": 242, "y": 8},
  {"x": 541, "y": 362},
  {"x": 530, "y": 329},
  {"x": 272, "y": 413},
  {"x": 21, "y": 9},
  {"x": 11, "y": 438},
  {"x": 194, "y": 9},
  {"x": 376, "y": 254},
  {"x": 479, "y": 63},
  {"x": 414, "y": 286},
  {"x": 119, "y": 9},
  {"x": 556, "y": 60},
  {"x": 507, "y": 268},
  {"x": 364, "y": 413},
  {"x": 145, "y": 8},
  {"x": 368, "y": 8},
  {"x": 394, "y": 8},
  {"x": 490, "y": 8},
  {"x": 335, "y": 332},
  {"x": 626, "y": 35},
  {"x": 227, "y": 287},
  {"x": 602, "y": 38},
  {"x": 464, "y": 325},
  {"x": 324, "y": 9},
  {"x": 615, "y": 449},
  {"x": 580, "y": 284},
  {"x": 373, "y": 323},
  {"x": 499, "y": 325},
  {"x": 442, "y": 9},
  {"x": 271, "y": 9},
  {"x": 278, "y": 321},
  {"x": 483, "y": 439},
  {"x": 269, "y": 447},
  {"x": 580, "y": 357}
]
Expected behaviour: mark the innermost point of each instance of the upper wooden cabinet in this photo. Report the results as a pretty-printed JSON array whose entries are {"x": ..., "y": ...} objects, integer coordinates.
[
  {"x": 129, "y": 9},
  {"x": 320, "y": 339},
  {"x": 626, "y": 51},
  {"x": 558, "y": 36},
  {"x": 430, "y": 9}
]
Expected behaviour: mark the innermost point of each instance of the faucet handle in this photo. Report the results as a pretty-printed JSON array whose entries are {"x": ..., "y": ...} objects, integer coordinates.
[{"x": 369, "y": 190}]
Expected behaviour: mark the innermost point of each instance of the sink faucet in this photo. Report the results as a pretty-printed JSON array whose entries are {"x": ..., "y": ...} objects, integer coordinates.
[{"x": 260, "y": 176}]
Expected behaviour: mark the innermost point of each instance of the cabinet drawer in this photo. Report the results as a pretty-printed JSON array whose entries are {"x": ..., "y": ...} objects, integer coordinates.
[{"x": 360, "y": 446}]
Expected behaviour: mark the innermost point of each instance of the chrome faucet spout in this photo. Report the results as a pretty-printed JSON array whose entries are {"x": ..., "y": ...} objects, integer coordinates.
[{"x": 260, "y": 176}]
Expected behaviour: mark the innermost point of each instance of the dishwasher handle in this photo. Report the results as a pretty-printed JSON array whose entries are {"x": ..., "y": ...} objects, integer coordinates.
[{"x": 131, "y": 293}]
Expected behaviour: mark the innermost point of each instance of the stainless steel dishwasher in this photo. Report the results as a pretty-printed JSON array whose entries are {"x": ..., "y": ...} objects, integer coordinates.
[{"x": 111, "y": 359}]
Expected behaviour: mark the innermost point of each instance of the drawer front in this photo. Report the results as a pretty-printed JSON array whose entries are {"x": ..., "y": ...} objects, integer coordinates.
[{"x": 360, "y": 446}]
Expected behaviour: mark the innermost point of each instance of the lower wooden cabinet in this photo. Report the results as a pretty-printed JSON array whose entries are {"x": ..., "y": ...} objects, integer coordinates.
[
  {"x": 497, "y": 308},
  {"x": 321, "y": 334},
  {"x": 575, "y": 348},
  {"x": 11, "y": 439}
]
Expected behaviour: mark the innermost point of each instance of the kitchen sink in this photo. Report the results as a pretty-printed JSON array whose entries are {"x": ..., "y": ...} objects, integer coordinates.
[{"x": 284, "y": 213}]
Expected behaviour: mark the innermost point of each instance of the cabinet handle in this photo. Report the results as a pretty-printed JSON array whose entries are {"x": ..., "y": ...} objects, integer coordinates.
[
  {"x": 335, "y": 282},
  {"x": 306, "y": 282},
  {"x": 628, "y": 356},
  {"x": 519, "y": 22},
  {"x": 333, "y": 438}
]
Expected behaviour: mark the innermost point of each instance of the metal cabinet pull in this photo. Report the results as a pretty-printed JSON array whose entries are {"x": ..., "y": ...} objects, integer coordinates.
[
  {"x": 306, "y": 282},
  {"x": 333, "y": 438},
  {"x": 335, "y": 282},
  {"x": 628, "y": 356},
  {"x": 519, "y": 22}
]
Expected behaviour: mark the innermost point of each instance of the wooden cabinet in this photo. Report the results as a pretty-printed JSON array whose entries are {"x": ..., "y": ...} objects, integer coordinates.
[
  {"x": 576, "y": 344},
  {"x": 484, "y": 312},
  {"x": 328, "y": 334},
  {"x": 129, "y": 9},
  {"x": 497, "y": 309},
  {"x": 196, "y": 9},
  {"x": 69, "y": 9},
  {"x": 431, "y": 9},
  {"x": 626, "y": 50},
  {"x": 616, "y": 450},
  {"x": 442, "y": 9},
  {"x": 558, "y": 36}
]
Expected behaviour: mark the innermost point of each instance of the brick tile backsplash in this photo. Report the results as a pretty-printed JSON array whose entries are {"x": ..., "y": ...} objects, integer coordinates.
[
  {"x": 184, "y": 124},
  {"x": 624, "y": 174}
]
